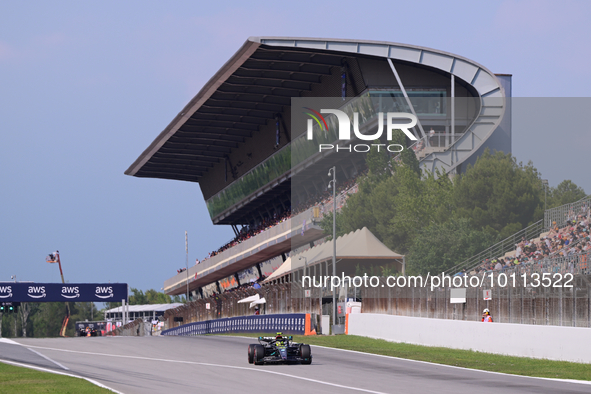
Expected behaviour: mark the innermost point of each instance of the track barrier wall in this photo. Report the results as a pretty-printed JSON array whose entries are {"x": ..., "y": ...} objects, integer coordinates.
[
  {"x": 548, "y": 342},
  {"x": 136, "y": 328},
  {"x": 293, "y": 323}
]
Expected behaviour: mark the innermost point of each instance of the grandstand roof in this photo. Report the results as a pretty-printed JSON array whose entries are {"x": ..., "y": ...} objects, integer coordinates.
[{"x": 256, "y": 83}]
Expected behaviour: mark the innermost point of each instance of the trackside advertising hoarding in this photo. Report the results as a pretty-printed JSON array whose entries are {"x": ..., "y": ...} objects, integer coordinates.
[
  {"x": 58, "y": 292},
  {"x": 292, "y": 323}
]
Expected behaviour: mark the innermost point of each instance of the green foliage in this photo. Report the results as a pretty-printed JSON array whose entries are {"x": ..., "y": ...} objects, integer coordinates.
[
  {"x": 395, "y": 207},
  {"x": 151, "y": 296},
  {"x": 565, "y": 193},
  {"x": 407, "y": 156},
  {"x": 442, "y": 245},
  {"x": 377, "y": 161},
  {"x": 26, "y": 380},
  {"x": 438, "y": 221},
  {"x": 498, "y": 192},
  {"x": 45, "y": 319}
]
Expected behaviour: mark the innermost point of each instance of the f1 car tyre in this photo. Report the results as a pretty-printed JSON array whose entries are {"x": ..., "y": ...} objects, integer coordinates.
[
  {"x": 259, "y": 354},
  {"x": 251, "y": 353},
  {"x": 306, "y": 354}
]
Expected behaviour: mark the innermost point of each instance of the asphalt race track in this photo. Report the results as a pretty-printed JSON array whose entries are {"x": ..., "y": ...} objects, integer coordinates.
[{"x": 219, "y": 364}]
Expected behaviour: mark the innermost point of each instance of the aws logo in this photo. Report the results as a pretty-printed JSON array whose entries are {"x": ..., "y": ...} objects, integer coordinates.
[
  {"x": 393, "y": 122},
  {"x": 36, "y": 292},
  {"x": 104, "y": 292},
  {"x": 5, "y": 291},
  {"x": 70, "y": 292}
]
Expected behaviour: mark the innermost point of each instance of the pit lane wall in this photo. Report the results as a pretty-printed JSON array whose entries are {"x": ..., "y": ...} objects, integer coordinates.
[
  {"x": 291, "y": 323},
  {"x": 548, "y": 342}
]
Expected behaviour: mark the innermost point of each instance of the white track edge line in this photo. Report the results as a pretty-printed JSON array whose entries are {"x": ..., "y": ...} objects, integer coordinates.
[
  {"x": 445, "y": 365},
  {"x": 48, "y": 359},
  {"x": 60, "y": 373},
  {"x": 216, "y": 365}
]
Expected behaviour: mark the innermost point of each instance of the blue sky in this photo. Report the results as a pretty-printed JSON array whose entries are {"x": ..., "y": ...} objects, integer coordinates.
[{"x": 85, "y": 88}]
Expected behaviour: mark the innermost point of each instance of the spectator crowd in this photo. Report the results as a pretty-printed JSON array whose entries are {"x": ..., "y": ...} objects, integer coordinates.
[
  {"x": 324, "y": 199},
  {"x": 569, "y": 240}
]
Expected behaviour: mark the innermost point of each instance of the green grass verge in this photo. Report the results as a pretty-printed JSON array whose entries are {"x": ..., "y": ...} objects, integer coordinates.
[
  {"x": 459, "y": 358},
  {"x": 20, "y": 380}
]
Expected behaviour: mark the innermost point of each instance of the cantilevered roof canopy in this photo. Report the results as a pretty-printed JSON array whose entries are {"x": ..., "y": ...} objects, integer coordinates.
[{"x": 258, "y": 82}]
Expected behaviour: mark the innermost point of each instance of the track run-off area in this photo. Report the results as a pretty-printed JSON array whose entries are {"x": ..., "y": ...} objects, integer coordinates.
[{"x": 219, "y": 363}]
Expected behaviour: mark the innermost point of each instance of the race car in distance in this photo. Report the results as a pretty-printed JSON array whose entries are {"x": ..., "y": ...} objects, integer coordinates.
[{"x": 279, "y": 349}]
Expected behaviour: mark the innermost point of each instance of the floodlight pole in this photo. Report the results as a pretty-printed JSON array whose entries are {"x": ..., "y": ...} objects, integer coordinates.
[
  {"x": 333, "y": 171},
  {"x": 59, "y": 263},
  {"x": 545, "y": 183},
  {"x": 56, "y": 256},
  {"x": 187, "y": 264},
  {"x": 305, "y": 269}
]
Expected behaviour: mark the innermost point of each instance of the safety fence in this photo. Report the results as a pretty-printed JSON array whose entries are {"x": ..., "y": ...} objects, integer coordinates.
[
  {"x": 499, "y": 249},
  {"x": 278, "y": 300},
  {"x": 549, "y": 292},
  {"x": 566, "y": 212}
]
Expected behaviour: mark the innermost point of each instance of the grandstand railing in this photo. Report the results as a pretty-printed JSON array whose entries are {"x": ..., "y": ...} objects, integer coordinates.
[
  {"x": 501, "y": 248},
  {"x": 566, "y": 212},
  {"x": 560, "y": 215},
  {"x": 229, "y": 256}
]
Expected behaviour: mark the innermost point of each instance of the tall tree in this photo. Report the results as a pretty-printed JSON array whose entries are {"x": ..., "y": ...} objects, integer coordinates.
[
  {"x": 24, "y": 311},
  {"x": 499, "y": 193},
  {"x": 565, "y": 193},
  {"x": 440, "y": 246}
]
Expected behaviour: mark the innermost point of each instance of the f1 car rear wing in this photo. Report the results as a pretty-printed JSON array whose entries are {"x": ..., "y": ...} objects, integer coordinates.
[{"x": 285, "y": 337}]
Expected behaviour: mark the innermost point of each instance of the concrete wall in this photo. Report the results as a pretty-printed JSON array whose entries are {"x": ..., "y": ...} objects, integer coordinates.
[{"x": 550, "y": 342}]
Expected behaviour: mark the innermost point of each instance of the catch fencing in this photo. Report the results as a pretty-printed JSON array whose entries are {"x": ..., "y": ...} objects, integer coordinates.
[
  {"x": 567, "y": 212},
  {"x": 515, "y": 297},
  {"x": 532, "y": 293}
]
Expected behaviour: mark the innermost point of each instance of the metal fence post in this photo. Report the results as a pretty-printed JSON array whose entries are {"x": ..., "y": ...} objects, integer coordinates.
[
  {"x": 547, "y": 306},
  {"x": 560, "y": 304},
  {"x": 413, "y": 301},
  {"x": 574, "y": 302}
]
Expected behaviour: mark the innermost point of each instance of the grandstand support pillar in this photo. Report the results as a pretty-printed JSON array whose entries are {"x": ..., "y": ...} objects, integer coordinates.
[
  {"x": 311, "y": 244},
  {"x": 235, "y": 229},
  {"x": 237, "y": 278},
  {"x": 284, "y": 257},
  {"x": 201, "y": 292},
  {"x": 408, "y": 100},
  {"x": 217, "y": 283},
  {"x": 260, "y": 271}
]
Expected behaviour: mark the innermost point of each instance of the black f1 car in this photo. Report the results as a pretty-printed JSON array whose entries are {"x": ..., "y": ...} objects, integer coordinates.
[{"x": 279, "y": 349}]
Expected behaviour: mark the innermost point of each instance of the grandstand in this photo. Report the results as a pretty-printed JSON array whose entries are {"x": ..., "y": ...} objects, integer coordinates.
[
  {"x": 564, "y": 232},
  {"x": 236, "y": 139}
]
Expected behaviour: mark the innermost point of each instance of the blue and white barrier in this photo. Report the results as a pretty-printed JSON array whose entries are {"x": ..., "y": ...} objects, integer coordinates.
[{"x": 293, "y": 323}]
